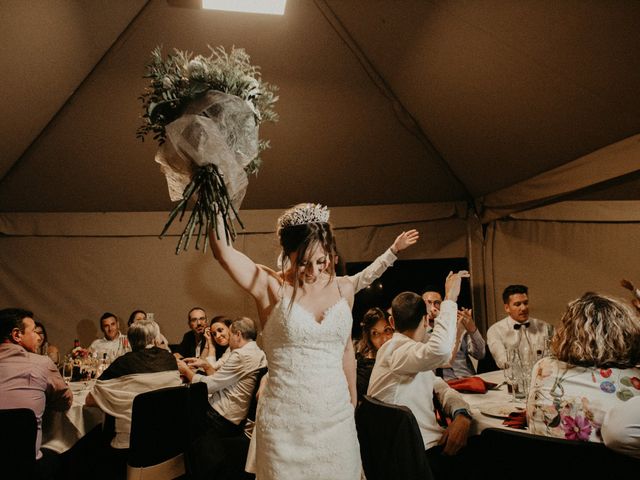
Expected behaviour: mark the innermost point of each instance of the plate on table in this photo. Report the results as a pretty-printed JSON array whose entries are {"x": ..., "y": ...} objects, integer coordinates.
[{"x": 500, "y": 410}]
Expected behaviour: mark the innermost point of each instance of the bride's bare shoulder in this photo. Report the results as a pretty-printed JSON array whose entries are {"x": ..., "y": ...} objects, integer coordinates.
[{"x": 346, "y": 286}]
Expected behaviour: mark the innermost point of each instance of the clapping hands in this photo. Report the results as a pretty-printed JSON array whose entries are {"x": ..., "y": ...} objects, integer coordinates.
[{"x": 465, "y": 320}]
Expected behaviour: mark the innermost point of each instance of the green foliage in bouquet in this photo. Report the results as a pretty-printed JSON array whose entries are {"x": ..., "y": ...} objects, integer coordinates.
[
  {"x": 175, "y": 82},
  {"x": 181, "y": 78}
]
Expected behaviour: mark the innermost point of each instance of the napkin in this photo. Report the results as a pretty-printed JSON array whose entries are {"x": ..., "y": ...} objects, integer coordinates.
[
  {"x": 470, "y": 385},
  {"x": 516, "y": 420}
]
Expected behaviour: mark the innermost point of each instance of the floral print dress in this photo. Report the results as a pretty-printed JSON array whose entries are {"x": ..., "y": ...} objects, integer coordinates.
[{"x": 571, "y": 402}]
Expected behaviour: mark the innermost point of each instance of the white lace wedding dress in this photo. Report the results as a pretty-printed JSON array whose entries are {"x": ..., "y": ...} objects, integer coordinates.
[{"x": 305, "y": 425}]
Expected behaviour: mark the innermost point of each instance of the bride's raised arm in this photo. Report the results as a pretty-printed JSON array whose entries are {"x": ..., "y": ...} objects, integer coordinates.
[{"x": 250, "y": 276}]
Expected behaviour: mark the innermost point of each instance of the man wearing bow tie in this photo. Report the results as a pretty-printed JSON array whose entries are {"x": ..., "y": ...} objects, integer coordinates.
[{"x": 506, "y": 331}]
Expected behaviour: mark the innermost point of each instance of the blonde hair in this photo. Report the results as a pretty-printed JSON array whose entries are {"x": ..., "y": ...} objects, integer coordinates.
[{"x": 598, "y": 331}]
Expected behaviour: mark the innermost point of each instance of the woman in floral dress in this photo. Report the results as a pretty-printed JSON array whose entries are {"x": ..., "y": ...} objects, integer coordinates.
[{"x": 594, "y": 369}]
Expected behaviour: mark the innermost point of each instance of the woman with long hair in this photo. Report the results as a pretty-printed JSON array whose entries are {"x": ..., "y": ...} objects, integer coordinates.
[
  {"x": 44, "y": 348},
  {"x": 376, "y": 330},
  {"x": 305, "y": 425}
]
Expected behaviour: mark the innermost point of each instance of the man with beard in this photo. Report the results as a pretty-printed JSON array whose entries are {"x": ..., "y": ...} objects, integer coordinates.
[{"x": 194, "y": 341}]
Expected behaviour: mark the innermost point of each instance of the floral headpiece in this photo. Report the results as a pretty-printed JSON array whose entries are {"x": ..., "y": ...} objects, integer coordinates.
[{"x": 303, "y": 214}]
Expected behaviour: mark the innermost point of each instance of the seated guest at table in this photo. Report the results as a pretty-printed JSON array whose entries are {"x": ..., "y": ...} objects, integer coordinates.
[
  {"x": 29, "y": 380},
  {"x": 432, "y": 299},
  {"x": 376, "y": 330},
  {"x": 194, "y": 341},
  {"x": 147, "y": 367},
  {"x": 403, "y": 375},
  {"x": 469, "y": 342},
  {"x": 596, "y": 350},
  {"x": 505, "y": 332},
  {"x": 138, "y": 315},
  {"x": 112, "y": 342},
  {"x": 231, "y": 389},
  {"x": 44, "y": 347},
  {"x": 217, "y": 335}
]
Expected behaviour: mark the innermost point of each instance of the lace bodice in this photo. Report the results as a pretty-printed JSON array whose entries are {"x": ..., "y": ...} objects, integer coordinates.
[{"x": 305, "y": 427}]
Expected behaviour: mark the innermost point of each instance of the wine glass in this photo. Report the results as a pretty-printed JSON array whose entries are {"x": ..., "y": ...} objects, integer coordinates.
[
  {"x": 512, "y": 373},
  {"x": 67, "y": 370}
]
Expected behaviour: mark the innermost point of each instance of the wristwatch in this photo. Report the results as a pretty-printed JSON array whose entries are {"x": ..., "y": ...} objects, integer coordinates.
[{"x": 464, "y": 412}]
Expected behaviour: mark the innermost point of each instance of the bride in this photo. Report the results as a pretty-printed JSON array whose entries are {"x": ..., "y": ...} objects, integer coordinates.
[{"x": 305, "y": 424}]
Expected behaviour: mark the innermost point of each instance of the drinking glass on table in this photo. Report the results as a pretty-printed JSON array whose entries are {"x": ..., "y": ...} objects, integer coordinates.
[{"x": 67, "y": 370}]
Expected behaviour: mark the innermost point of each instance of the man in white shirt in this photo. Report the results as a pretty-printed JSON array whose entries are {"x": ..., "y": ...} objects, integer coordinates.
[
  {"x": 506, "y": 332},
  {"x": 231, "y": 390},
  {"x": 403, "y": 374},
  {"x": 469, "y": 341},
  {"x": 232, "y": 386},
  {"x": 113, "y": 343}
]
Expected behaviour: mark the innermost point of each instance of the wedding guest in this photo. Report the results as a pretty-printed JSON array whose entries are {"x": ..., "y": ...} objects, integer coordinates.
[
  {"x": 147, "y": 367},
  {"x": 135, "y": 316},
  {"x": 217, "y": 335},
  {"x": 231, "y": 389},
  {"x": 44, "y": 347},
  {"x": 506, "y": 331},
  {"x": 593, "y": 371},
  {"x": 29, "y": 380},
  {"x": 112, "y": 343},
  {"x": 194, "y": 341},
  {"x": 432, "y": 299},
  {"x": 376, "y": 330},
  {"x": 403, "y": 375},
  {"x": 138, "y": 315},
  {"x": 469, "y": 342}
]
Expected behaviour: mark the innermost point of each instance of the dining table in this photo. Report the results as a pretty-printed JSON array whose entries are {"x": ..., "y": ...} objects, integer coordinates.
[
  {"x": 490, "y": 409},
  {"x": 61, "y": 430}
]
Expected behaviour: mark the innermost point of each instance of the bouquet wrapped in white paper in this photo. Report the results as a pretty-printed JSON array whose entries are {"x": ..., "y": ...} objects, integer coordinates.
[{"x": 205, "y": 114}]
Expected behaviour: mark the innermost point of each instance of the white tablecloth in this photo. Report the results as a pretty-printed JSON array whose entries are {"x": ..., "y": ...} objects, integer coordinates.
[
  {"x": 479, "y": 401},
  {"x": 61, "y": 430}
]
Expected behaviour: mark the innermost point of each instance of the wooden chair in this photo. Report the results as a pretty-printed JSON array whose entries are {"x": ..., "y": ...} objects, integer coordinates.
[{"x": 391, "y": 445}]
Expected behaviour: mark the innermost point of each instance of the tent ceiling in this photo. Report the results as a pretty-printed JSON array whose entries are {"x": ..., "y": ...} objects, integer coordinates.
[{"x": 499, "y": 92}]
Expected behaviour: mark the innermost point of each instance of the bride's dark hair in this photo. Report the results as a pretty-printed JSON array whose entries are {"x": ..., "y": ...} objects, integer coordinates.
[{"x": 300, "y": 238}]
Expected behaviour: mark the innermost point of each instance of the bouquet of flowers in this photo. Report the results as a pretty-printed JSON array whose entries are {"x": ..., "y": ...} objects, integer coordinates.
[
  {"x": 204, "y": 111},
  {"x": 79, "y": 353}
]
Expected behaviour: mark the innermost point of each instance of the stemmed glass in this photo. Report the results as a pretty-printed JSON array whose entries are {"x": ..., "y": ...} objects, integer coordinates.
[
  {"x": 67, "y": 370},
  {"x": 510, "y": 372}
]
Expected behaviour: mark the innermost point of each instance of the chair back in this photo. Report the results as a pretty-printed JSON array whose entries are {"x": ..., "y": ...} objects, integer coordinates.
[
  {"x": 18, "y": 439},
  {"x": 391, "y": 445},
  {"x": 253, "y": 406},
  {"x": 159, "y": 428},
  {"x": 514, "y": 450},
  {"x": 198, "y": 406}
]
